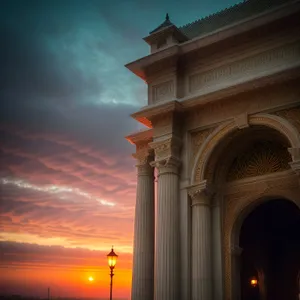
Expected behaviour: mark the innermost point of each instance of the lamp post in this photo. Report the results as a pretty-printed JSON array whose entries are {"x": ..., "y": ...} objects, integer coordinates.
[
  {"x": 253, "y": 282},
  {"x": 112, "y": 260}
]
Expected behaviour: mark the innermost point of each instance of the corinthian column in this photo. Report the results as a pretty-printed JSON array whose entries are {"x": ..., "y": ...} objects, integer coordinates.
[
  {"x": 201, "y": 243},
  {"x": 167, "y": 259},
  {"x": 143, "y": 249}
]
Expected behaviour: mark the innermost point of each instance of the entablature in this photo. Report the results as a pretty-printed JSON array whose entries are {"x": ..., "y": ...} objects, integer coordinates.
[{"x": 141, "y": 66}]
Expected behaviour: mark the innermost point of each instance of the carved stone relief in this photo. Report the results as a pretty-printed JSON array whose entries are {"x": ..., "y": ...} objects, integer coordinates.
[
  {"x": 292, "y": 115},
  {"x": 197, "y": 139},
  {"x": 210, "y": 145},
  {"x": 262, "y": 158},
  {"x": 163, "y": 91},
  {"x": 266, "y": 99},
  {"x": 246, "y": 67}
]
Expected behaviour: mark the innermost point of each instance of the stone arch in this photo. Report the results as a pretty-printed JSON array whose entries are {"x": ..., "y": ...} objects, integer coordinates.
[
  {"x": 235, "y": 215},
  {"x": 224, "y": 130},
  {"x": 250, "y": 206}
]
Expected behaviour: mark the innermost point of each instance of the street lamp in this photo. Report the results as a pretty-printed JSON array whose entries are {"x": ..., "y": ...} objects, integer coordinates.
[
  {"x": 112, "y": 260},
  {"x": 253, "y": 282}
]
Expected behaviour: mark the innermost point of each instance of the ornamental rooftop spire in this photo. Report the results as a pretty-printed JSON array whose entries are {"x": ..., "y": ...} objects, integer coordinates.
[{"x": 165, "y": 24}]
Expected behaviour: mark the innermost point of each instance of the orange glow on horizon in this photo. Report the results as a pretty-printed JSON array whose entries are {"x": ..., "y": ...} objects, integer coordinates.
[{"x": 70, "y": 281}]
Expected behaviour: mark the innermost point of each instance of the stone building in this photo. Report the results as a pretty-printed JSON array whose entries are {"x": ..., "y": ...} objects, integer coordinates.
[{"x": 223, "y": 138}]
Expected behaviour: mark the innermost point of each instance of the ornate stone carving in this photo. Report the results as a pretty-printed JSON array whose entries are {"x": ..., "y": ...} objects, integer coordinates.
[
  {"x": 246, "y": 67},
  {"x": 292, "y": 115},
  {"x": 169, "y": 164},
  {"x": 197, "y": 139},
  {"x": 143, "y": 155},
  {"x": 223, "y": 130},
  {"x": 200, "y": 193},
  {"x": 166, "y": 148},
  {"x": 167, "y": 154},
  {"x": 215, "y": 138},
  {"x": 163, "y": 91},
  {"x": 262, "y": 158},
  {"x": 295, "y": 165}
]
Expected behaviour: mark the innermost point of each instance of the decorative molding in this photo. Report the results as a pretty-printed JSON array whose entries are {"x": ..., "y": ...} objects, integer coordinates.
[
  {"x": 246, "y": 68},
  {"x": 143, "y": 155},
  {"x": 198, "y": 189},
  {"x": 266, "y": 99},
  {"x": 166, "y": 148},
  {"x": 212, "y": 141},
  {"x": 292, "y": 115},
  {"x": 197, "y": 140},
  {"x": 167, "y": 155},
  {"x": 295, "y": 165},
  {"x": 241, "y": 121},
  {"x": 163, "y": 91},
  {"x": 167, "y": 165},
  {"x": 236, "y": 250},
  {"x": 262, "y": 158},
  {"x": 295, "y": 153},
  {"x": 236, "y": 204}
]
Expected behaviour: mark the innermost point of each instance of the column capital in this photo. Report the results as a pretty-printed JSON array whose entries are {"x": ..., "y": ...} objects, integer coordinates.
[
  {"x": 144, "y": 155},
  {"x": 295, "y": 153},
  {"x": 167, "y": 155},
  {"x": 166, "y": 148},
  {"x": 169, "y": 164},
  {"x": 295, "y": 165},
  {"x": 236, "y": 250},
  {"x": 201, "y": 193}
]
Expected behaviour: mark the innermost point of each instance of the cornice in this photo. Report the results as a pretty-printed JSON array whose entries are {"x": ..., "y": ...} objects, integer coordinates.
[
  {"x": 138, "y": 67},
  {"x": 146, "y": 114},
  {"x": 212, "y": 94},
  {"x": 141, "y": 136},
  {"x": 242, "y": 26}
]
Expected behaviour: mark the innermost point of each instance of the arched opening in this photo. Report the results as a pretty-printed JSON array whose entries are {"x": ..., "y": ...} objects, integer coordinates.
[
  {"x": 249, "y": 152},
  {"x": 270, "y": 243}
]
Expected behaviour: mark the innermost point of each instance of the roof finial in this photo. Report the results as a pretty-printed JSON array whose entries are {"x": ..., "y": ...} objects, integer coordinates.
[{"x": 167, "y": 17}]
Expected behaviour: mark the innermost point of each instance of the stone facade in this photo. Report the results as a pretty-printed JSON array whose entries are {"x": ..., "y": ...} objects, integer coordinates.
[{"x": 224, "y": 117}]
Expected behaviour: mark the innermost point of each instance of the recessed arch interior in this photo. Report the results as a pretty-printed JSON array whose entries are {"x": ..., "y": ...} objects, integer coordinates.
[
  {"x": 237, "y": 144},
  {"x": 268, "y": 234}
]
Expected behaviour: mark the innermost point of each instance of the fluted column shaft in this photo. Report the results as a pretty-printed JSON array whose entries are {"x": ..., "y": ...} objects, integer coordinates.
[
  {"x": 201, "y": 248},
  {"x": 167, "y": 260},
  {"x": 143, "y": 249}
]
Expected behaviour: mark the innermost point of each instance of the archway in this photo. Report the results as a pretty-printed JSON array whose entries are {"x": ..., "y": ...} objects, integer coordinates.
[{"x": 270, "y": 243}]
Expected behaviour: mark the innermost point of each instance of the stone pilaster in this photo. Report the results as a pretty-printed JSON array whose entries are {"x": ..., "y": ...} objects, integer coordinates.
[
  {"x": 143, "y": 249},
  {"x": 167, "y": 251},
  {"x": 201, "y": 243}
]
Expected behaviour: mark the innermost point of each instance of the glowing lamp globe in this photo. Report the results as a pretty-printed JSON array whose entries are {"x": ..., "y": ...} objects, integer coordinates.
[
  {"x": 253, "y": 282},
  {"x": 112, "y": 258}
]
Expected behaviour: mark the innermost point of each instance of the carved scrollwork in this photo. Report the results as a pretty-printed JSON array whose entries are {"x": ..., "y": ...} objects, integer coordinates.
[
  {"x": 167, "y": 155},
  {"x": 143, "y": 155},
  {"x": 166, "y": 148},
  {"x": 169, "y": 164}
]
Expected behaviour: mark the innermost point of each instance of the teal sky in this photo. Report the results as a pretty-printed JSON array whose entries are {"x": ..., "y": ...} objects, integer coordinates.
[{"x": 67, "y": 178}]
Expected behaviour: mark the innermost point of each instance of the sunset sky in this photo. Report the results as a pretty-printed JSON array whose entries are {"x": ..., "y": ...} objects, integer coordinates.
[{"x": 67, "y": 178}]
